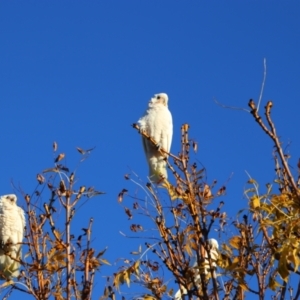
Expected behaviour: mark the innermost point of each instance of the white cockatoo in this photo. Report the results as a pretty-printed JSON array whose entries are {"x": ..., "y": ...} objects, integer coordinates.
[
  {"x": 214, "y": 246},
  {"x": 157, "y": 123},
  {"x": 12, "y": 223}
]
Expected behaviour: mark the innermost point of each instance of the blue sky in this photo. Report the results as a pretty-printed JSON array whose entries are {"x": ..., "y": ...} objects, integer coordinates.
[{"x": 80, "y": 73}]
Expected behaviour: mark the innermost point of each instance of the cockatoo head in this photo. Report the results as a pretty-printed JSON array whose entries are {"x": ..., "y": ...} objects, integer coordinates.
[
  {"x": 11, "y": 198},
  {"x": 213, "y": 244},
  {"x": 161, "y": 98}
]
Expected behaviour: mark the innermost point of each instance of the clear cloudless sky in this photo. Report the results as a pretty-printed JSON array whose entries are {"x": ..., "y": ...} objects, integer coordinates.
[{"x": 81, "y": 72}]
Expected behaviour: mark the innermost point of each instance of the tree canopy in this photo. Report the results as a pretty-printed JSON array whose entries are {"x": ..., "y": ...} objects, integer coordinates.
[{"x": 174, "y": 219}]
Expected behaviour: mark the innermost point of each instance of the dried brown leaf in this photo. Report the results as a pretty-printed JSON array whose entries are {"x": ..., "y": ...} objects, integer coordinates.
[
  {"x": 63, "y": 168},
  {"x": 101, "y": 253},
  {"x": 136, "y": 227},
  {"x": 195, "y": 146},
  {"x": 54, "y": 145},
  {"x": 71, "y": 178},
  {"x": 104, "y": 261},
  {"x": 62, "y": 187},
  {"x": 128, "y": 213},
  {"x": 221, "y": 191},
  {"x": 59, "y": 157},
  {"x": 121, "y": 195},
  {"x": 207, "y": 192},
  {"x": 51, "y": 170},
  {"x": 27, "y": 198},
  {"x": 40, "y": 178},
  {"x": 81, "y": 151}
]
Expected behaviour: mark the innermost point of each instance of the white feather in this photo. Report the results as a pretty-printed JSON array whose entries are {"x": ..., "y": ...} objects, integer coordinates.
[
  {"x": 12, "y": 223},
  {"x": 214, "y": 246},
  {"x": 157, "y": 123}
]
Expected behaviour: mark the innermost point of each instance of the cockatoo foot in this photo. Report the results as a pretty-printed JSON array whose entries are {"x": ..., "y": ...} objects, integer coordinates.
[{"x": 158, "y": 146}]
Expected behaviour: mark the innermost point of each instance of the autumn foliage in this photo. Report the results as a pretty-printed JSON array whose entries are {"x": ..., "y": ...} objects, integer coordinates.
[
  {"x": 261, "y": 258},
  {"x": 174, "y": 220},
  {"x": 56, "y": 264}
]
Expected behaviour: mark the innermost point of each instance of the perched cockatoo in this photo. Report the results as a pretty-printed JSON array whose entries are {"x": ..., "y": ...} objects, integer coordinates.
[
  {"x": 157, "y": 123},
  {"x": 12, "y": 223},
  {"x": 214, "y": 246}
]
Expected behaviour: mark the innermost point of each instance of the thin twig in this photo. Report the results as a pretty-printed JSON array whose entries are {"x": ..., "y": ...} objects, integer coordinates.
[
  {"x": 68, "y": 245},
  {"x": 298, "y": 292},
  {"x": 272, "y": 134},
  {"x": 145, "y": 135},
  {"x": 230, "y": 107},
  {"x": 263, "y": 84}
]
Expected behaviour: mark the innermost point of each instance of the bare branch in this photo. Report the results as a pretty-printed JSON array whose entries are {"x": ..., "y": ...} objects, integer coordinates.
[{"x": 263, "y": 84}]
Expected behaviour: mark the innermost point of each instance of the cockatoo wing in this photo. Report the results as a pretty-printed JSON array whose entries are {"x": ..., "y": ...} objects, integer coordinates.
[
  {"x": 12, "y": 223},
  {"x": 163, "y": 128}
]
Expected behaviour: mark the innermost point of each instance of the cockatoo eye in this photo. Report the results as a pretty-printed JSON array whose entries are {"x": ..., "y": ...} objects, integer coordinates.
[
  {"x": 158, "y": 97},
  {"x": 11, "y": 199}
]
